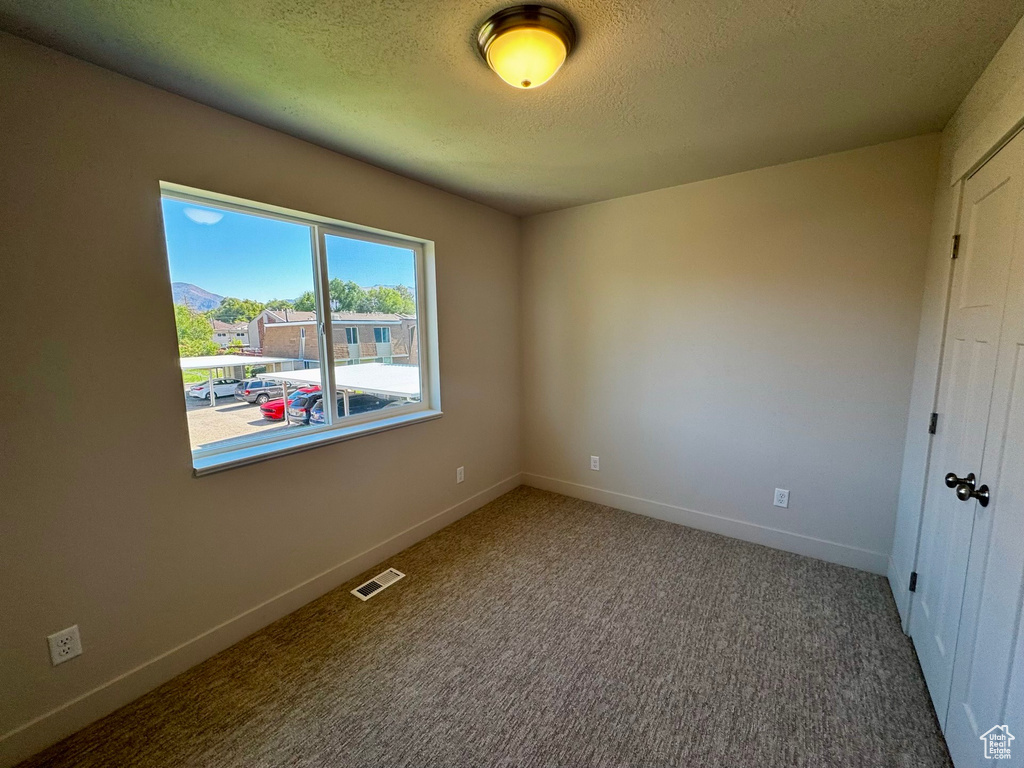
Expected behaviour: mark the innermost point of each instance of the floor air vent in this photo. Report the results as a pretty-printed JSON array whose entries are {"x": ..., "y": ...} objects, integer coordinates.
[{"x": 377, "y": 583}]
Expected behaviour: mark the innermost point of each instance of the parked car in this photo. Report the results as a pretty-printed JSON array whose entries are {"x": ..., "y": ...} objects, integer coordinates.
[
  {"x": 257, "y": 391},
  {"x": 299, "y": 407},
  {"x": 221, "y": 388},
  {"x": 273, "y": 410},
  {"x": 356, "y": 404}
]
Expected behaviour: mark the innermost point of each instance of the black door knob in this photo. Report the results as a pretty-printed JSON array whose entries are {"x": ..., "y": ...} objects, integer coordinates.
[
  {"x": 952, "y": 481},
  {"x": 966, "y": 492}
]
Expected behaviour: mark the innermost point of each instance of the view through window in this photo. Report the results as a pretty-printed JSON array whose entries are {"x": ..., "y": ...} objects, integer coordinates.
[{"x": 273, "y": 311}]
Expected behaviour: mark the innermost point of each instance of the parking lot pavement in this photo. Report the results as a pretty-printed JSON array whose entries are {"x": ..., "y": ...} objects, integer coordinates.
[{"x": 227, "y": 419}]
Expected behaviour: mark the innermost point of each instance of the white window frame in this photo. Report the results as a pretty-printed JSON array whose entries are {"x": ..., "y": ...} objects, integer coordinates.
[
  {"x": 249, "y": 449},
  {"x": 384, "y": 331},
  {"x": 349, "y": 331}
]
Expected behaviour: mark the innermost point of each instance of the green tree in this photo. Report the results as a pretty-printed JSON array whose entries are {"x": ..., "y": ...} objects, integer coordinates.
[
  {"x": 306, "y": 302},
  {"x": 195, "y": 334},
  {"x": 391, "y": 300},
  {"x": 348, "y": 297},
  {"x": 232, "y": 310},
  {"x": 408, "y": 300},
  {"x": 279, "y": 304}
]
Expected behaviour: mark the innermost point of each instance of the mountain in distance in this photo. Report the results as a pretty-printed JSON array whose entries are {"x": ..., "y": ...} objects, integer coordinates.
[{"x": 195, "y": 297}]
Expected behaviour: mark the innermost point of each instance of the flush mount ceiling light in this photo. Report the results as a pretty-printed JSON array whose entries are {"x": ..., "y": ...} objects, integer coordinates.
[{"x": 526, "y": 44}]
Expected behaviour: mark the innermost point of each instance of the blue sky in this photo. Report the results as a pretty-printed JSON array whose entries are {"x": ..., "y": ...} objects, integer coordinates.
[{"x": 250, "y": 257}]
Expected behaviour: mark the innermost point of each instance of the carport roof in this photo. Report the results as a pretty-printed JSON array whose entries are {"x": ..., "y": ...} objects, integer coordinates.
[
  {"x": 226, "y": 361},
  {"x": 379, "y": 378}
]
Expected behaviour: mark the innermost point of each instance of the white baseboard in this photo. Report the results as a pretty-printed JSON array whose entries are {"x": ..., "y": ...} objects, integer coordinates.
[
  {"x": 74, "y": 715},
  {"x": 899, "y": 584},
  {"x": 833, "y": 552}
]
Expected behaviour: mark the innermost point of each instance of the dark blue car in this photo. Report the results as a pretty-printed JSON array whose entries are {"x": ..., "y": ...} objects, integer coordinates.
[{"x": 356, "y": 404}]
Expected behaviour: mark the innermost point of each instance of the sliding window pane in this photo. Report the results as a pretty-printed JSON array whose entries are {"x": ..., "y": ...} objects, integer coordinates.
[
  {"x": 245, "y": 308},
  {"x": 373, "y": 288}
]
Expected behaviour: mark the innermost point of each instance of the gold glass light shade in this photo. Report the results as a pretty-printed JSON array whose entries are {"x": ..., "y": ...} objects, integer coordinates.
[
  {"x": 526, "y": 44},
  {"x": 526, "y": 57}
]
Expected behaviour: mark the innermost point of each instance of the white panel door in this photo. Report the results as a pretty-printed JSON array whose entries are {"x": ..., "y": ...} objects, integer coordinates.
[
  {"x": 988, "y": 682},
  {"x": 989, "y": 221}
]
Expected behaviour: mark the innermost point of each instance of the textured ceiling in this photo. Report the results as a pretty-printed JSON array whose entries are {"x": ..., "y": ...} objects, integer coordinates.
[{"x": 657, "y": 93}]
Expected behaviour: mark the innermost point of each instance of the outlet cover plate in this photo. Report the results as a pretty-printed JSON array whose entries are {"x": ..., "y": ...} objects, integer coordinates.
[
  {"x": 64, "y": 645},
  {"x": 781, "y": 498},
  {"x": 595, "y": 463},
  {"x": 460, "y": 474}
]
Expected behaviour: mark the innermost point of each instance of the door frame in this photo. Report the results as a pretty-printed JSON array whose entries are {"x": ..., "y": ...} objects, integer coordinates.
[{"x": 933, "y": 405}]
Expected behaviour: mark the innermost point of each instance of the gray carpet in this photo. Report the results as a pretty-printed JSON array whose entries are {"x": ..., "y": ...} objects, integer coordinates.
[{"x": 546, "y": 631}]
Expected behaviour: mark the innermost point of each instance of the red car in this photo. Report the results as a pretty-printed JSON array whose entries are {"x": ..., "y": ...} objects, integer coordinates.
[{"x": 273, "y": 410}]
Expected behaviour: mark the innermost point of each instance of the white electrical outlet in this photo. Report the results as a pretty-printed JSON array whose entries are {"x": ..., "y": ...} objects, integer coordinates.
[
  {"x": 64, "y": 645},
  {"x": 781, "y": 497},
  {"x": 460, "y": 474},
  {"x": 595, "y": 463}
]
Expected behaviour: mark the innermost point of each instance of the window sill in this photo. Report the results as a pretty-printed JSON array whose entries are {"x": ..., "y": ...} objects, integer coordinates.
[{"x": 238, "y": 457}]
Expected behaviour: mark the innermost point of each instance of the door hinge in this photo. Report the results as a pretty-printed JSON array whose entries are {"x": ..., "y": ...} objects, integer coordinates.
[
  {"x": 933, "y": 423},
  {"x": 956, "y": 246},
  {"x": 913, "y": 581}
]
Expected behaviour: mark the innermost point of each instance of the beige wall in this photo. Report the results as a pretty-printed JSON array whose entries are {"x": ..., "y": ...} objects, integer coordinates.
[
  {"x": 103, "y": 524},
  {"x": 994, "y": 106},
  {"x": 714, "y": 341}
]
